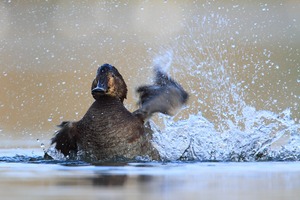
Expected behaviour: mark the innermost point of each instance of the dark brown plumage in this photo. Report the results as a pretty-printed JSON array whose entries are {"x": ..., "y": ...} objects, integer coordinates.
[{"x": 108, "y": 130}]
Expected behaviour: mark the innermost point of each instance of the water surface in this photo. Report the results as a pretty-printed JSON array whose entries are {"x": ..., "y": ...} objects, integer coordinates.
[{"x": 152, "y": 180}]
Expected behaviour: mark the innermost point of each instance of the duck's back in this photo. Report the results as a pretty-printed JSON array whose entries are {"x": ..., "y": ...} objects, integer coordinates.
[{"x": 109, "y": 130}]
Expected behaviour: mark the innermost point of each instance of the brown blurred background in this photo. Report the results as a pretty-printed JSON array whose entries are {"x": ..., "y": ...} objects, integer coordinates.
[{"x": 227, "y": 54}]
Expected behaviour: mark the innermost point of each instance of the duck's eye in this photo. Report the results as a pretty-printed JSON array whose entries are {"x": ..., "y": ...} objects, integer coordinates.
[{"x": 113, "y": 75}]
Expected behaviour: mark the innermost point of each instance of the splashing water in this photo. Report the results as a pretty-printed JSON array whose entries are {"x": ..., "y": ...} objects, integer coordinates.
[
  {"x": 224, "y": 71},
  {"x": 261, "y": 140}
]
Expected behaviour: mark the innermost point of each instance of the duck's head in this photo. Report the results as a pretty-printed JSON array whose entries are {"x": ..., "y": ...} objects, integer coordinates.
[{"x": 109, "y": 82}]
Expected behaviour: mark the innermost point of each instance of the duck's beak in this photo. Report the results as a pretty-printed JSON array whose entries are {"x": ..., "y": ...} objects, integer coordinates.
[{"x": 101, "y": 88}]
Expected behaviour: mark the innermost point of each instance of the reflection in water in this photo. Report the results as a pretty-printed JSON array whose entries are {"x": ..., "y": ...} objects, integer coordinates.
[
  {"x": 119, "y": 180},
  {"x": 109, "y": 180}
]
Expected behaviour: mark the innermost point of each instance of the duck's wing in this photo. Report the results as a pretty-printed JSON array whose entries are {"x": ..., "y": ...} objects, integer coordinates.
[
  {"x": 65, "y": 139},
  {"x": 164, "y": 96}
]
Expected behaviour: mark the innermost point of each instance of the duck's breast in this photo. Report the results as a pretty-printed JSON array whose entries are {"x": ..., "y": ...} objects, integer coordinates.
[{"x": 111, "y": 130}]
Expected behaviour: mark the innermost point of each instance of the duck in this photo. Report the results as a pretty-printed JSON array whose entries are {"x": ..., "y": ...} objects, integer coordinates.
[{"x": 108, "y": 130}]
